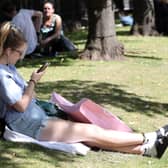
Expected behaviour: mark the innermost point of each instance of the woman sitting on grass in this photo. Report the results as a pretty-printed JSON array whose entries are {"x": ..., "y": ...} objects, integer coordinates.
[
  {"x": 21, "y": 113},
  {"x": 52, "y": 38}
]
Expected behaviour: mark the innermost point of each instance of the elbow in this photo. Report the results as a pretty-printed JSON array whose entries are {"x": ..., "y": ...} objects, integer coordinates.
[
  {"x": 21, "y": 106},
  {"x": 22, "y": 109}
]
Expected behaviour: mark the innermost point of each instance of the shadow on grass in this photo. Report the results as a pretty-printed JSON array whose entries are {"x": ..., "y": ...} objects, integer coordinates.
[
  {"x": 142, "y": 57},
  {"x": 123, "y": 33},
  {"x": 104, "y": 94},
  {"x": 19, "y": 155},
  {"x": 64, "y": 59},
  {"x": 15, "y": 155}
]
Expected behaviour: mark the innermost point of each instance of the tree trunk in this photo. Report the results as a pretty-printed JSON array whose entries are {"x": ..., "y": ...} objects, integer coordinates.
[
  {"x": 144, "y": 18},
  {"x": 101, "y": 42},
  {"x": 161, "y": 16}
]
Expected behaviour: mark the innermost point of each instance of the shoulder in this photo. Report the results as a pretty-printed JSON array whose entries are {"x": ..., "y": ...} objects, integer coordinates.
[
  {"x": 26, "y": 11},
  {"x": 4, "y": 70},
  {"x": 5, "y": 75},
  {"x": 56, "y": 17}
]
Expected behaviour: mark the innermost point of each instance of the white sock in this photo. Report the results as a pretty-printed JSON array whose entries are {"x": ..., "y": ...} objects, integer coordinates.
[
  {"x": 149, "y": 149},
  {"x": 163, "y": 132},
  {"x": 150, "y": 137}
]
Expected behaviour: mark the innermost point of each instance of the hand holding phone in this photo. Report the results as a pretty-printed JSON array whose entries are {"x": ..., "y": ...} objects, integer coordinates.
[{"x": 43, "y": 67}]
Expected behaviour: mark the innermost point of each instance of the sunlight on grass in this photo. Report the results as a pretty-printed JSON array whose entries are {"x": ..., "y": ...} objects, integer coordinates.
[{"x": 135, "y": 89}]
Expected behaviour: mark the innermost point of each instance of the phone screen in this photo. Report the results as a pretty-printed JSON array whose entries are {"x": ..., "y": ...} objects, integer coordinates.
[{"x": 43, "y": 67}]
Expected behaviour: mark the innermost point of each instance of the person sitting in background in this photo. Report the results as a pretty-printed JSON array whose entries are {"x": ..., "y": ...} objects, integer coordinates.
[
  {"x": 29, "y": 27},
  {"x": 28, "y": 21},
  {"x": 125, "y": 18},
  {"x": 20, "y": 111},
  {"x": 52, "y": 37}
]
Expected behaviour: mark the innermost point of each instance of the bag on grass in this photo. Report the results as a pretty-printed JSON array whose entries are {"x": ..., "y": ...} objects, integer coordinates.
[
  {"x": 87, "y": 111},
  {"x": 51, "y": 109}
]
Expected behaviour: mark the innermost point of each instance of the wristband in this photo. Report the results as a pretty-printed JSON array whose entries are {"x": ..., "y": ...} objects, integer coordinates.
[{"x": 32, "y": 80}]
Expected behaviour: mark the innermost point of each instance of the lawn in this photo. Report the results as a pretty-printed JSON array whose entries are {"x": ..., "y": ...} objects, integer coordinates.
[{"x": 135, "y": 89}]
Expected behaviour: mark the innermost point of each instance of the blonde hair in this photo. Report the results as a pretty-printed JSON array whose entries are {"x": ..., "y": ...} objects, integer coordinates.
[{"x": 10, "y": 37}]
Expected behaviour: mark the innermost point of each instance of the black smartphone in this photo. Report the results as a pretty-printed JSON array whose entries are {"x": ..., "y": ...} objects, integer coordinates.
[{"x": 43, "y": 67}]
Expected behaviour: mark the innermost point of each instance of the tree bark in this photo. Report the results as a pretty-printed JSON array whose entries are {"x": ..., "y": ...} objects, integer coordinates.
[
  {"x": 102, "y": 43},
  {"x": 144, "y": 18}
]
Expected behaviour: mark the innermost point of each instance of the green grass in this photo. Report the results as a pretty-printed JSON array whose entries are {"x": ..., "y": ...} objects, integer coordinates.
[{"x": 134, "y": 89}]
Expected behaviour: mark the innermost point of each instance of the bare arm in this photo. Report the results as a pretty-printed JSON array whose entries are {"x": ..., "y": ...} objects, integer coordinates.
[
  {"x": 58, "y": 27},
  {"x": 37, "y": 20},
  {"x": 22, "y": 104}
]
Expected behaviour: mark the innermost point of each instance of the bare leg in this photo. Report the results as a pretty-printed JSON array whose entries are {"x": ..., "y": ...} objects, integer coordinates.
[
  {"x": 70, "y": 132},
  {"x": 135, "y": 149}
]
